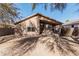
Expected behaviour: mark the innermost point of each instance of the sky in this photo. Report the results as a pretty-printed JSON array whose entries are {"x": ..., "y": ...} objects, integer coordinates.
[{"x": 69, "y": 13}]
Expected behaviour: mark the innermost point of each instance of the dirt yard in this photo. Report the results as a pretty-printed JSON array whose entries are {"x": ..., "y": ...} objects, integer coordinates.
[{"x": 39, "y": 46}]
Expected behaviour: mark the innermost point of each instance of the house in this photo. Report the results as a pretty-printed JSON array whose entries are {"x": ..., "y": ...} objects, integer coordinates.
[
  {"x": 74, "y": 26},
  {"x": 37, "y": 23}
]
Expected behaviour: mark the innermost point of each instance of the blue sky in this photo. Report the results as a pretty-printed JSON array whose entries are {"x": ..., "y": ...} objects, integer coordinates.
[{"x": 68, "y": 14}]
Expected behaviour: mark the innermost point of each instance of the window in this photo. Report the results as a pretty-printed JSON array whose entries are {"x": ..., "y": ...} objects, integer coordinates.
[
  {"x": 48, "y": 26},
  {"x": 30, "y": 28},
  {"x": 72, "y": 25}
]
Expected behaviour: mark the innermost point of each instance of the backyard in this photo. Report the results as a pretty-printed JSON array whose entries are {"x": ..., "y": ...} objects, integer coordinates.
[
  {"x": 40, "y": 45},
  {"x": 41, "y": 34}
]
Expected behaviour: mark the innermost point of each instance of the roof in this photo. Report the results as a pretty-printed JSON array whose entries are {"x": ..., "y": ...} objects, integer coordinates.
[
  {"x": 71, "y": 22},
  {"x": 36, "y": 15}
]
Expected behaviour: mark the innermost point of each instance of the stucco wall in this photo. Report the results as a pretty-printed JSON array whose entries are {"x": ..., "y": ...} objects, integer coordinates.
[{"x": 26, "y": 23}]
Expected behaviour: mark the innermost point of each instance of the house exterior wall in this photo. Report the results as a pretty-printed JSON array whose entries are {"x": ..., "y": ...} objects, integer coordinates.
[
  {"x": 72, "y": 25},
  {"x": 75, "y": 27},
  {"x": 25, "y": 24}
]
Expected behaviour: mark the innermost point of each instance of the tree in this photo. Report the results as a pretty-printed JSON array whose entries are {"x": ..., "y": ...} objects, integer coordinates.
[
  {"x": 8, "y": 12},
  {"x": 67, "y": 20},
  {"x": 53, "y": 6},
  {"x": 57, "y": 6}
]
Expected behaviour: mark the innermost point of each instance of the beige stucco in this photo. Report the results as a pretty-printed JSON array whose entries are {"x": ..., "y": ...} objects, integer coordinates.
[{"x": 26, "y": 23}]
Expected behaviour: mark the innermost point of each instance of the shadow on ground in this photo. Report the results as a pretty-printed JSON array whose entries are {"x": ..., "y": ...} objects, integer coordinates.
[
  {"x": 4, "y": 39},
  {"x": 24, "y": 45},
  {"x": 62, "y": 45}
]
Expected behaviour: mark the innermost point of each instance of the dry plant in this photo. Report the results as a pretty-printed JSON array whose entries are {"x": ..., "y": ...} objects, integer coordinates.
[{"x": 62, "y": 45}]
